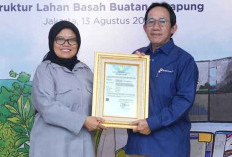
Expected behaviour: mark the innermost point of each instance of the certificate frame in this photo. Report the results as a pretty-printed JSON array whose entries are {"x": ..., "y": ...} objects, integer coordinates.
[{"x": 111, "y": 90}]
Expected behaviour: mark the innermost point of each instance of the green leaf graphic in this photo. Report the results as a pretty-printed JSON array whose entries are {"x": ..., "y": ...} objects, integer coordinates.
[
  {"x": 11, "y": 109},
  {"x": 15, "y": 120},
  {"x": 19, "y": 128},
  {"x": 21, "y": 141}
]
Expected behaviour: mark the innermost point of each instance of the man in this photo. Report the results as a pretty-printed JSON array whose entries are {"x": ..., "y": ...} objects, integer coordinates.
[{"x": 173, "y": 81}]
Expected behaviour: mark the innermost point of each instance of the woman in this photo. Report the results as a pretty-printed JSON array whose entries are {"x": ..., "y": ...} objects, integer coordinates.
[{"x": 61, "y": 96}]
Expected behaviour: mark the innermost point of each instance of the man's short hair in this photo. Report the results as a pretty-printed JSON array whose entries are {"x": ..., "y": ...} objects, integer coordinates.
[{"x": 165, "y": 5}]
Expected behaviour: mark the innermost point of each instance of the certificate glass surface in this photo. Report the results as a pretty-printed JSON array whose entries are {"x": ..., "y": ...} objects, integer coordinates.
[{"x": 120, "y": 91}]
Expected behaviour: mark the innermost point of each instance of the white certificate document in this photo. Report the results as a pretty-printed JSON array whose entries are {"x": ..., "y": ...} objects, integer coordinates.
[{"x": 120, "y": 90}]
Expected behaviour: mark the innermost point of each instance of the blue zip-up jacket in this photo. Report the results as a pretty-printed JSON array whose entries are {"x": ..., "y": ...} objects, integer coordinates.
[{"x": 173, "y": 81}]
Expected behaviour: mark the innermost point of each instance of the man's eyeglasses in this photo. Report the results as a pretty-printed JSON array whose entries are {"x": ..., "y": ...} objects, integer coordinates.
[
  {"x": 161, "y": 22},
  {"x": 61, "y": 41}
]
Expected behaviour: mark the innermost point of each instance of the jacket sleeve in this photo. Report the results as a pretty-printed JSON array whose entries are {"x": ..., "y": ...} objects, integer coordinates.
[
  {"x": 52, "y": 111},
  {"x": 183, "y": 99}
]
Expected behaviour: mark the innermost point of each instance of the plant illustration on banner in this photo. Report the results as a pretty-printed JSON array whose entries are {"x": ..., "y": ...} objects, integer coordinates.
[{"x": 17, "y": 115}]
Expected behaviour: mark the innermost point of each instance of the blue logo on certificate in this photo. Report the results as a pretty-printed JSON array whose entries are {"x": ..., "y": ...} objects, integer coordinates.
[{"x": 121, "y": 68}]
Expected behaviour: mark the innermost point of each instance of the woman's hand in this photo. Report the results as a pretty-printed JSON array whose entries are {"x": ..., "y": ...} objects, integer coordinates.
[{"x": 93, "y": 123}]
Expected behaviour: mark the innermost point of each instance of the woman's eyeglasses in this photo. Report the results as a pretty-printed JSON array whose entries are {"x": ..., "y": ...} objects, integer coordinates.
[{"x": 61, "y": 41}]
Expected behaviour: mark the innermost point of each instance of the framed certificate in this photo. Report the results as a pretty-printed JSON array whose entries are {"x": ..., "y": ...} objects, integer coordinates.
[{"x": 120, "y": 90}]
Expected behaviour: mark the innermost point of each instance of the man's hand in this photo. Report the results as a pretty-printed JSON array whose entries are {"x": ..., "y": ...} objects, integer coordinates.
[
  {"x": 142, "y": 127},
  {"x": 93, "y": 123},
  {"x": 140, "y": 54}
]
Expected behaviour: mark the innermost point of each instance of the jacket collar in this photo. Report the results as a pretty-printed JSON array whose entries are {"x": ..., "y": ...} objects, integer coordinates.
[
  {"x": 79, "y": 65},
  {"x": 166, "y": 48}
]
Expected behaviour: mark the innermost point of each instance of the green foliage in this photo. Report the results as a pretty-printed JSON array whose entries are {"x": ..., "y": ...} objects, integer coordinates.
[
  {"x": 97, "y": 137},
  {"x": 10, "y": 95},
  {"x": 120, "y": 153},
  {"x": 5, "y": 95},
  {"x": 27, "y": 90},
  {"x": 13, "y": 74},
  {"x": 24, "y": 77},
  {"x": 8, "y": 137},
  {"x": 16, "y": 86},
  {"x": 22, "y": 119},
  {"x": 16, "y": 116}
]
